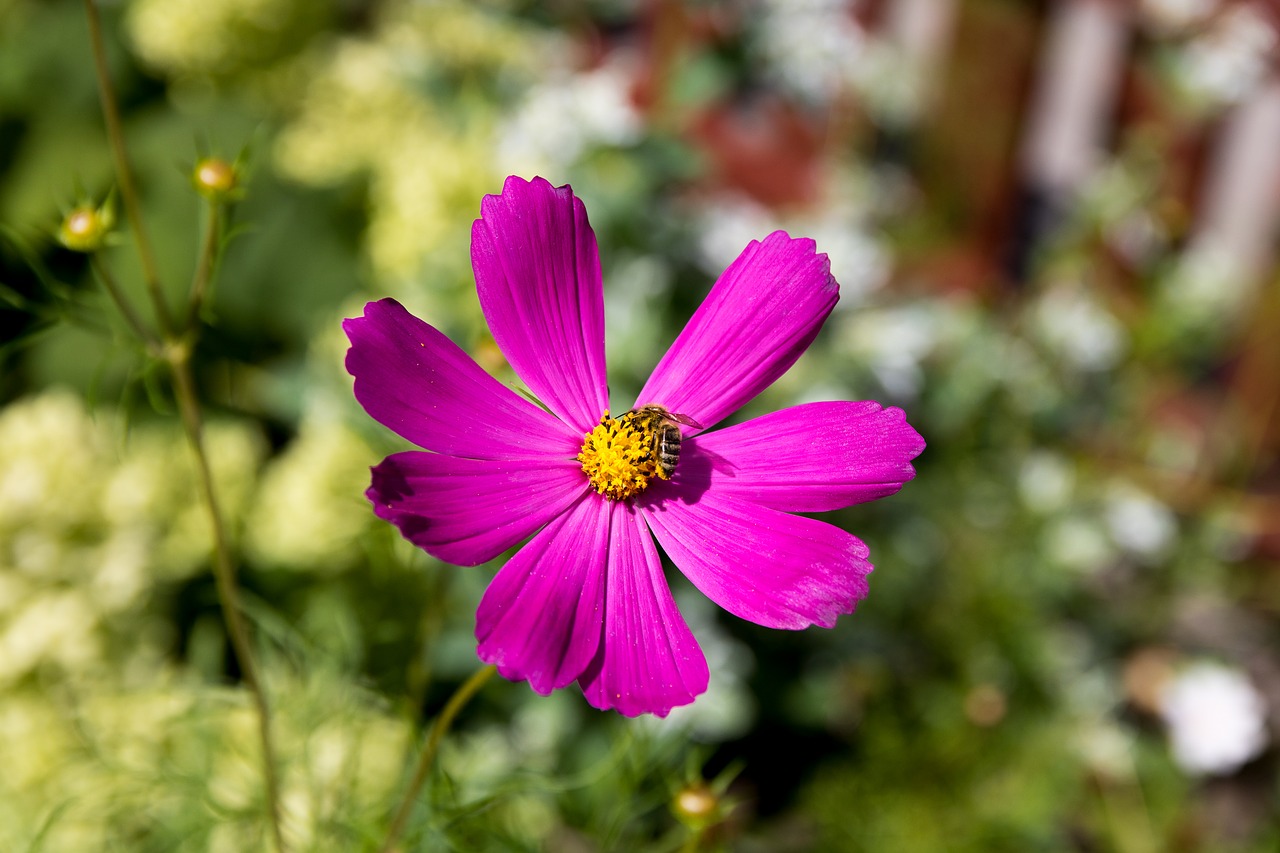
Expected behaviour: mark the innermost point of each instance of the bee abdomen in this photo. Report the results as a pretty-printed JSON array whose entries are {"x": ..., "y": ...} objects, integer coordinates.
[{"x": 668, "y": 450}]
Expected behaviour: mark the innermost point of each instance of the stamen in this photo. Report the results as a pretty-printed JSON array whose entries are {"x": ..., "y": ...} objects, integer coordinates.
[{"x": 618, "y": 456}]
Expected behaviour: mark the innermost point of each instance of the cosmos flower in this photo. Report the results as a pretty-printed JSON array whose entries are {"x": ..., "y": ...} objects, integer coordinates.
[{"x": 585, "y": 599}]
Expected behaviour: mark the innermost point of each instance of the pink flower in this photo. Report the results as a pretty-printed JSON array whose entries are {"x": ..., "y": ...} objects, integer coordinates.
[{"x": 585, "y": 599}]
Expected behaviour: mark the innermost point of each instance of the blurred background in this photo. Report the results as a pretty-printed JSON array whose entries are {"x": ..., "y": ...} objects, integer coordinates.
[{"x": 1055, "y": 226}]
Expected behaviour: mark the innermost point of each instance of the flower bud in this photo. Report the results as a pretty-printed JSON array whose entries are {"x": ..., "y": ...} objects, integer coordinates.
[
  {"x": 696, "y": 805},
  {"x": 214, "y": 178},
  {"x": 85, "y": 228}
]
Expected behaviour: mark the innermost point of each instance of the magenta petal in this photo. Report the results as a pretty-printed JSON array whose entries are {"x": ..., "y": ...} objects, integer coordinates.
[
  {"x": 760, "y": 316},
  {"x": 538, "y": 277},
  {"x": 541, "y": 617},
  {"x": 809, "y": 458},
  {"x": 412, "y": 379},
  {"x": 648, "y": 661},
  {"x": 769, "y": 567},
  {"x": 466, "y": 511}
]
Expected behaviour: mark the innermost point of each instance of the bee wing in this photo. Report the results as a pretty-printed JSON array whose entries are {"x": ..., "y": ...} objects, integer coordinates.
[{"x": 684, "y": 419}]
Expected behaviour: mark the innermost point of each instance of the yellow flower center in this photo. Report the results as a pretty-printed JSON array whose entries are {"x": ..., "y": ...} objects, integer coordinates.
[{"x": 618, "y": 456}]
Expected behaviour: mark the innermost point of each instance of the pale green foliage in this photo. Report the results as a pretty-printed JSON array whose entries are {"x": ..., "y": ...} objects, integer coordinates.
[{"x": 309, "y": 513}]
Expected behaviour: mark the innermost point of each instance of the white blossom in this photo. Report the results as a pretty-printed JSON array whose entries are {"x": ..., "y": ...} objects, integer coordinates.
[
  {"x": 814, "y": 47},
  {"x": 1216, "y": 719},
  {"x": 1077, "y": 327},
  {"x": 562, "y": 117},
  {"x": 1139, "y": 523},
  {"x": 1231, "y": 57}
]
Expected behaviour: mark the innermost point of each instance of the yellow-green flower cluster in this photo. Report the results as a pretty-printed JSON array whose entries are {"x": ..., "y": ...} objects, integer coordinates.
[
  {"x": 91, "y": 516},
  {"x": 309, "y": 511},
  {"x": 411, "y": 107},
  {"x": 219, "y": 37},
  {"x": 175, "y": 763},
  {"x": 95, "y": 517}
]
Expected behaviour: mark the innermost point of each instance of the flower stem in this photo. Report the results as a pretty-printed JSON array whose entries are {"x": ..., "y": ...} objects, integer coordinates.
[
  {"x": 175, "y": 347},
  {"x": 128, "y": 190},
  {"x": 455, "y": 704},
  {"x": 179, "y": 359},
  {"x": 204, "y": 264},
  {"x": 178, "y": 356},
  {"x": 122, "y": 303}
]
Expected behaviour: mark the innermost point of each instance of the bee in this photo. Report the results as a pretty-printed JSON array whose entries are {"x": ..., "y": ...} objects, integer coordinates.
[{"x": 664, "y": 424}]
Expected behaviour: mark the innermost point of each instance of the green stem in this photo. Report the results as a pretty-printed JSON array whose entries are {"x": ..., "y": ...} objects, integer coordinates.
[
  {"x": 176, "y": 351},
  {"x": 225, "y": 575},
  {"x": 126, "y": 309},
  {"x": 455, "y": 704},
  {"x": 204, "y": 265},
  {"x": 128, "y": 190}
]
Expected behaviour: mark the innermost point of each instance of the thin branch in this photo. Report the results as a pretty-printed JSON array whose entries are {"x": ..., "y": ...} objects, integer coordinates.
[
  {"x": 455, "y": 704},
  {"x": 128, "y": 190},
  {"x": 175, "y": 348},
  {"x": 126, "y": 308},
  {"x": 225, "y": 575},
  {"x": 204, "y": 265}
]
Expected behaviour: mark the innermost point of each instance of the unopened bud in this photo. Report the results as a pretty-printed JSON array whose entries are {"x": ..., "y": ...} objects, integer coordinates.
[
  {"x": 214, "y": 178},
  {"x": 696, "y": 805},
  {"x": 85, "y": 228}
]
